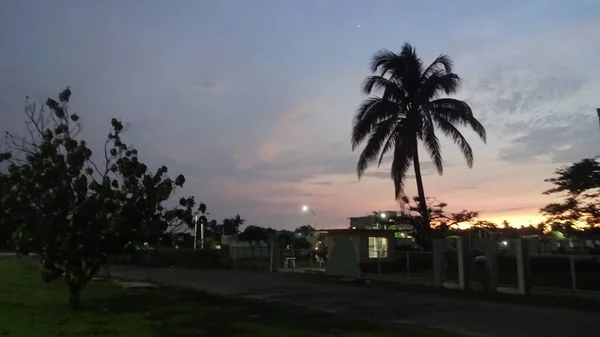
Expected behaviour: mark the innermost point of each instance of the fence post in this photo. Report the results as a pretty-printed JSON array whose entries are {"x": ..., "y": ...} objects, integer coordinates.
[
  {"x": 438, "y": 262},
  {"x": 461, "y": 250},
  {"x": 491, "y": 257},
  {"x": 523, "y": 265},
  {"x": 573, "y": 275},
  {"x": 378, "y": 262},
  {"x": 407, "y": 263}
]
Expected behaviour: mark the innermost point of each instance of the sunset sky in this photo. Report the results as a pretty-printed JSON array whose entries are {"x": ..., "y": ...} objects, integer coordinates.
[{"x": 253, "y": 100}]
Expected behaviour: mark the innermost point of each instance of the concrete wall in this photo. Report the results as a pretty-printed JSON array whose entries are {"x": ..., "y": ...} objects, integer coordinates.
[{"x": 355, "y": 240}]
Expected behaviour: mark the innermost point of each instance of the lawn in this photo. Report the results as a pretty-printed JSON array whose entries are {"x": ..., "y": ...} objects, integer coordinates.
[{"x": 30, "y": 307}]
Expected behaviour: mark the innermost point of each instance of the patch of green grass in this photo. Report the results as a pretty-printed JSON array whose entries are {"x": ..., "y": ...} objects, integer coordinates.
[{"x": 30, "y": 307}]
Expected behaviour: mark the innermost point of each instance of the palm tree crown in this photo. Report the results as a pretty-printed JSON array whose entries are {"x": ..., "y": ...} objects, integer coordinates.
[{"x": 404, "y": 108}]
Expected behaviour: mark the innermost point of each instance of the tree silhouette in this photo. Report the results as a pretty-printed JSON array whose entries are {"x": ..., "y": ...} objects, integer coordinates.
[
  {"x": 436, "y": 213},
  {"x": 72, "y": 212},
  {"x": 305, "y": 230},
  {"x": 579, "y": 183},
  {"x": 406, "y": 112},
  {"x": 257, "y": 235},
  {"x": 231, "y": 226}
]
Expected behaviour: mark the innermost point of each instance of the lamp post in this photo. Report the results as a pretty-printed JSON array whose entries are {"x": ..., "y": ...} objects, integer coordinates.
[
  {"x": 306, "y": 208},
  {"x": 196, "y": 232}
]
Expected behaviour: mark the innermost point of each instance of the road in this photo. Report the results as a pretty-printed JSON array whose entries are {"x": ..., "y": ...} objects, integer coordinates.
[{"x": 477, "y": 318}]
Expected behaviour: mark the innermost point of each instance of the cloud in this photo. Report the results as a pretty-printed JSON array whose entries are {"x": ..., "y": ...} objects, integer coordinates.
[
  {"x": 287, "y": 133},
  {"x": 535, "y": 93},
  {"x": 427, "y": 168},
  {"x": 321, "y": 183},
  {"x": 560, "y": 144}
]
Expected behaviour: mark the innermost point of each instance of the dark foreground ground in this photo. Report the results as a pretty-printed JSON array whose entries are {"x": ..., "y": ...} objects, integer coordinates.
[
  {"x": 456, "y": 314},
  {"x": 31, "y": 308}
]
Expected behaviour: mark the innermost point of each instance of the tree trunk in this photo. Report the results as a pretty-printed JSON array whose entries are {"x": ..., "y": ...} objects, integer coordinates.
[
  {"x": 425, "y": 229},
  {"x": 74, "y": 295}
]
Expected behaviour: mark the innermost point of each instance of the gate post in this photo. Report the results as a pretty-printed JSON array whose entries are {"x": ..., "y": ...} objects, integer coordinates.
[
  {"x": 522, "y": 255},
  {"x": 438, "y": 262}
]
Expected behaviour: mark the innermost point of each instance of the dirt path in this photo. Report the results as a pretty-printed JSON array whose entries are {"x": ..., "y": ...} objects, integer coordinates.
[{"x": 474, "y": 317}]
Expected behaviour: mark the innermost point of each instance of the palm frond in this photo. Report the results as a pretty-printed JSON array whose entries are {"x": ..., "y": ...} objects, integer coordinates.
[
  {"x": 403, "y": 156},
  {"x": 372, "y": 111},
  {"x": 457, "y": 112},
  {"x": 390, "y": 90},
  {"x": 453, "y": 133},
  {"x": 442, "y": 61},
  {"x": 411, "y": 78},
  {"x": 400, "y": 128},
  {"x": 384, "y": 60},
  {"x": 439, "y": 81},
  {"x": 432, "y": 144},
  {"x": 387, "y": 63},
  {"x": 389, "y": 144},
  {"x": 371, "y": 151}
]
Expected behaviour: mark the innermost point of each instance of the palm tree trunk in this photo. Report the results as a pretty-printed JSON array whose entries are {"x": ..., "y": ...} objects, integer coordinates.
[{"x": 425, "y": 230}]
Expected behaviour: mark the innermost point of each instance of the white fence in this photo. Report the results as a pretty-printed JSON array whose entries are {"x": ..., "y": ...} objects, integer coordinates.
[{"x": 245, "y": 252}]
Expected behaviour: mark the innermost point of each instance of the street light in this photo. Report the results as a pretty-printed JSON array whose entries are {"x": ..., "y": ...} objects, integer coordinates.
[
  {"x": 306, "y": 208},
  {"x": 196, "y": 232},
  {"x": 382, "y": 215}
]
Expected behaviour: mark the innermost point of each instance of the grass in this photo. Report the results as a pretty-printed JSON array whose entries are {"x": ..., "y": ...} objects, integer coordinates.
[{"x": 30, "y": 307}]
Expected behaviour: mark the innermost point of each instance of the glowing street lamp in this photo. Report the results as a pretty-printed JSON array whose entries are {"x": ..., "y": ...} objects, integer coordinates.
[
  {"x": 305, "y": 208},
  {"x": 382, "y": 215}
]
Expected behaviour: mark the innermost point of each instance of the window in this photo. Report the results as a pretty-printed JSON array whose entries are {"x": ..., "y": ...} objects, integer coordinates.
[{"x": 378, "y": 247}]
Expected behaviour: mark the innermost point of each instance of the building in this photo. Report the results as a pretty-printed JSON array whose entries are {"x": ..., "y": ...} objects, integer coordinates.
[
  {"x": 386, "y": 220},
  {"x": 369, "y": 244},
  {"x": 373, "y": 221}
]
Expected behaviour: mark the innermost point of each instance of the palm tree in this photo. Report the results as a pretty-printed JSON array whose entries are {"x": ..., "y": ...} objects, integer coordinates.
[{"x": 406, "y": 112}]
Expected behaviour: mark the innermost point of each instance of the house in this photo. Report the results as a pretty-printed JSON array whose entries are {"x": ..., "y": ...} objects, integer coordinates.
[
  {"x": 370, "y": 245},
  {"x": 380, "y": 220},
  {"x": 386, "y": 220}
]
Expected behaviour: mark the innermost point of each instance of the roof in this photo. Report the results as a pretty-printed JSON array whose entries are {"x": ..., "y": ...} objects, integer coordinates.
[{"x": 360, "y": 231}]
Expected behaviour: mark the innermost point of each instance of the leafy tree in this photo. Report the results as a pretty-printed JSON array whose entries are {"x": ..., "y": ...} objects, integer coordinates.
[
  {"x": 484, "y": 224},
  {"x": 406, "y": 113},
  {"x": 505, "y": 224},
  {"x": 567, "y": 229},
  {"x": 74, "y": 213},
  {"x": 257, "y": 235},
  {"x": 288, "y": 239},
  {"x": 579, "y": 184},
  {"x": 436, "y": 213},
  {"x": 231, "y": 226},
  {"x": 305, "y": 230},
  {"x": 301, "y": 243},
  {"x": 6, "y": 227}
]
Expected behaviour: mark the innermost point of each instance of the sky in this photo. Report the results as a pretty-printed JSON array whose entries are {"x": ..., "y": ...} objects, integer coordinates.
[{"x": 253, "y": 100}]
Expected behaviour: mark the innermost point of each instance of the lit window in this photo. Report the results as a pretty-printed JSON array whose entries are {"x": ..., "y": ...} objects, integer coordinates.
[{"x": 378, "y": 247}]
